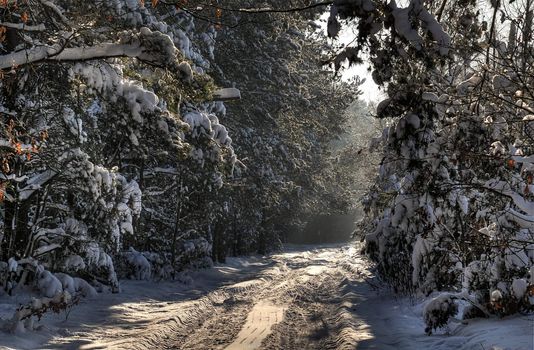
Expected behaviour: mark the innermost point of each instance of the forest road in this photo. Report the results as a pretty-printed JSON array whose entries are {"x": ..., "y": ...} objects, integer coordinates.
[
  {"x": 300, "y": 301},
  {"x": 301, "y": 298}
]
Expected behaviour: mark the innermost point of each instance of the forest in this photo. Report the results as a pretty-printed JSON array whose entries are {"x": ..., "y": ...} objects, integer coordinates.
[{"x": 149, "y": 140}]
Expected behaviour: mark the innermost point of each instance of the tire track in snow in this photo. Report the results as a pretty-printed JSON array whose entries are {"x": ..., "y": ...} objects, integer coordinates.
[
  {"x": 320, "y": 316},
  {"x": 260, "y": 319},
  {"x": 259, "y": 306},
  {"x": 245, "y": 323}
]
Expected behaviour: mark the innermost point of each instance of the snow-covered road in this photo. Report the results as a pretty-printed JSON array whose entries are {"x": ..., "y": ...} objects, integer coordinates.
[{"x": 304, "y": 298}]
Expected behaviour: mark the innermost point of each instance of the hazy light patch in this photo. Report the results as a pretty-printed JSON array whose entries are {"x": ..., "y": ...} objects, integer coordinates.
[
  {"x": 346, "y": 37},
  {"x": 403, "y": 3},
  {"x": 370, "y": 91}
]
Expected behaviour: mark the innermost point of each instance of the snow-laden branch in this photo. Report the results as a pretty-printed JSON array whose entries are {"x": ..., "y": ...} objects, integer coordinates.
[
  {"x": 154, "y": 47},
  {"x": 504, "y": 188},
  {"x": 260, "y": 10},
  {"x": 24, "y": 27},
  {"x": 57, "y": 11},
  {"x": 6, "y": 144},
  {"x": 227, "y": 94},
  {"x": 38, "y": 307},
  {"x": 35, "y": 183},
  {"x": 159, "y": 170},
  {"x": 404, "y": 27},
  {"x": 525, "y": 160},
  {"x": 46, "y": 249},
  {"x": 522, "y": 203},
  {"x": 57, "y": 53},
  {"x": 524, "y": 221},
  {"x": 98, "y": 51}
]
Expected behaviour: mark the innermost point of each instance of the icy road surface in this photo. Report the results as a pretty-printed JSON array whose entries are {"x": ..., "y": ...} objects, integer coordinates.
[{"x": 304, "y": 298}]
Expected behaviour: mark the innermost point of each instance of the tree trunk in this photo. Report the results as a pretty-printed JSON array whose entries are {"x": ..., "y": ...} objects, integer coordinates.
[
  {"x": 218, "y": 251},
  {"x": 174, "y": 242},
  {"x": 10, "y": 213},
  {"x": 527, "y": 34}
]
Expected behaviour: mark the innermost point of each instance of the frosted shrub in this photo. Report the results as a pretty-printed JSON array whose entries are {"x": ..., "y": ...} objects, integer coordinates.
[
  {"x": 83, "y": 288},
  {"x": 136, "y": 266},
  {"x": 195, "y": 253},
  {"x": 438, "y": 310},
  {"x": 47, "y": 283}
]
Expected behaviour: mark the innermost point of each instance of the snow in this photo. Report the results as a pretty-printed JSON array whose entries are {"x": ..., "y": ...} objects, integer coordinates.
[
  {"x": 12, "y": 265},
  {"x": 83, "y": 288},
  {"x": 186, "y": 70},
  {"x": 106, "y": 79},
  {"x": 430, "y": 96},
  {"x": 197, "y": 120},
  {"x": 139, "y": 263},
  {"x": 436, "y": 30},
  {"x": 146, "y": 313},
  {"x": 98, "y": 259},
  {"x": 413, "y": 120},
  {"x": 139, "y": 305},
  {"x": 73, "y": 263},
  {"x": 227, "y": 94},
  {"x": 519, "y": 287},
  {"x": 74, "y": 124},
  {"x": 496, "y": 295},
  {"x": 45, "y": 249},
  {"x": 76, "y": 286},
  {"x": 438, "y": 310},
  {"x": 465, "y": 86},
  {"x": 35, "y": 182},
  {"x": 463, "y": 203},
  {"x": 258, "y": 326},
  {"x": 67, "y": 282},
  {"x": 500, "y": 82},
  {"x": 401, "y": 330},
  {"x": 24, "y": 26},
  {"x": 420, "y": 250},
  {"x": 48, "y": 284},
  {"x": 59, "y": 53},
  {"x": 404, "y": 28}
]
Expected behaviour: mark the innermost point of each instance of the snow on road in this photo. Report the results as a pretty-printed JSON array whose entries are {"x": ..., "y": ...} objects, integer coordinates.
[{"x": 304, "y": 298}]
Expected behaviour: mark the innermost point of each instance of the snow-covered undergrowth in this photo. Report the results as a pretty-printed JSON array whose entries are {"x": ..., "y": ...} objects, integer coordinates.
[{"x": 43, "y": 292}]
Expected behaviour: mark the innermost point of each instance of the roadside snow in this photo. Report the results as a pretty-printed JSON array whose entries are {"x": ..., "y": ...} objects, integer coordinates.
[{"x": 392, "y": 323}]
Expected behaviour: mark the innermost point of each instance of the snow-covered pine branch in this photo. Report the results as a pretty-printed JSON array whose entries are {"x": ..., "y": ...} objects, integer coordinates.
[{"x": 148, "y": 46}]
